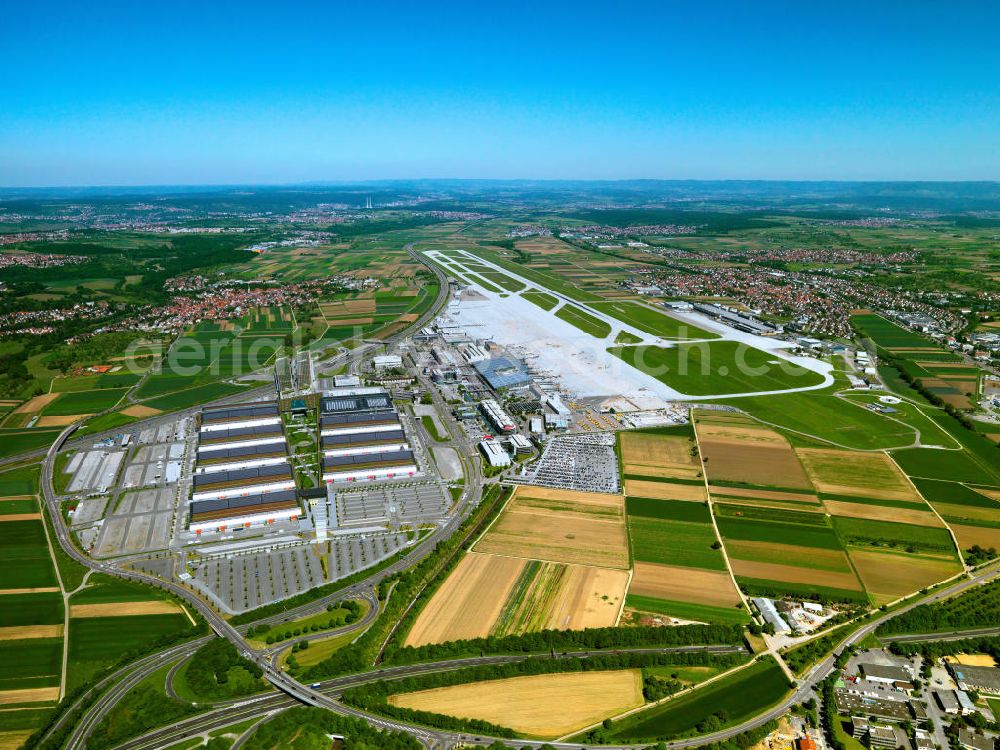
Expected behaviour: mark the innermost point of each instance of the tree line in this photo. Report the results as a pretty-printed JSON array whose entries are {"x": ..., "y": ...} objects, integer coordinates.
[
  {"x": 977, "y": 607},
  {"x": 307, "y": 728}
]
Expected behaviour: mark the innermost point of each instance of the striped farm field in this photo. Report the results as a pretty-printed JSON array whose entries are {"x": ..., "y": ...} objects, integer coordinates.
[
  {"x": 579, "y": 528},
  {"x": 666, "y": 456},
  {"x": 917, "y": 515},
  {"x": 665, "y": 490},
  {"x": 469, "y": 601},
  {"x": 675, "y": 543},
  {"x": 970, "y": 536},
  {"x": 748, "y": 453},
  {"x": 712, "y": 588},
  {"x": 890, "y": 575},
  {"x": 762, "y": 494},
  {"x": 543, "y": 706},
  {"x": 855, "y": 473}
]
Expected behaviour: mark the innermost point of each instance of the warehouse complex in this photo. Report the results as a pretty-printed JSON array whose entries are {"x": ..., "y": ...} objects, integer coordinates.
[
  {"x": 362, "y": 437},
  {"x": 242, "y": 476}
]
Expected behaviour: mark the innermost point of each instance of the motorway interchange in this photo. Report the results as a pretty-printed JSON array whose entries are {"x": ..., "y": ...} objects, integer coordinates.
[{"x": 325, "y": 694}]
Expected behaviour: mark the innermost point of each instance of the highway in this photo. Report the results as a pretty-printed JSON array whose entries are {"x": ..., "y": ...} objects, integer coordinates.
[{"x": 951, "y": 635}]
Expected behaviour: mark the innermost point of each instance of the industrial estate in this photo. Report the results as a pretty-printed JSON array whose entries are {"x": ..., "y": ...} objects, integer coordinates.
[{"x": 532, "y": 468}]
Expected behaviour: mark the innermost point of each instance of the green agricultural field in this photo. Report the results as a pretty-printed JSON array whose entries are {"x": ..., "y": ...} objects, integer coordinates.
[
  {"x": 867, "y": 533},
  {"x": 674, "y": 543},
  {"x": 543, "y": 300},
  {"x": 104, "y": 589},
  {"x": 668, "y": 510},
  {"x": 753, "y": 530},
  {"x": 717, "y": 368},
  {"x": 94, "y": 382},
  {"x": 32, "y": 663},
  {"x": 13, "y": 442},
  {"x": 193, "y": 396},
  {"x": 887, "y": 334},
  {"x": 21, "y": 481},
  {"x": 723, "y": 703},
  {"x": 936, "y": 490},
  {"x": 96, "y": 642},
  {"x": 688, "y": 610},
  {"x": 26, "y": 556},
  {"x": 929, "y": 463},
  {"x": 17, "y": 506},
  {"x": 576, "y": 317},
  {"x": 84, "y": 402},
  {"x": 31, "y": 609},
  {"x": 651, "y": 321}
]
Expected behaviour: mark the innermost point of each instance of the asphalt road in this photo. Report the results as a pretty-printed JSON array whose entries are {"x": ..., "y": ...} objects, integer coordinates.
[{"x": 952, "y": 635}]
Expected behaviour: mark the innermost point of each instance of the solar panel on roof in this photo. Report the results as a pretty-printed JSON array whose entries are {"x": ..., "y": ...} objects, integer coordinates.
[
  {"x": 363, "y": 437},
  {"x": 368, "y": 458},
  {"x": 239, "y": 475},
  {"x": 220, "y": 436},
  {"x": 359, "y": 418},
  {"x": 238, "y": 452},
  {"x": 199, "y": 507}
]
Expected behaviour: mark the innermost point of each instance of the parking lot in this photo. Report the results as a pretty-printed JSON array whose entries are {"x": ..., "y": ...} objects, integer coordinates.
[{"x": 141, "y": 522}]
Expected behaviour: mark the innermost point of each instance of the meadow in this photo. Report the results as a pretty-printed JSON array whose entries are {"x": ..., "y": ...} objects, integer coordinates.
[
  {"x": 652, "y": 321},
  {"x": 717, "y": 368},
  {"x": 587, "y": 323}
]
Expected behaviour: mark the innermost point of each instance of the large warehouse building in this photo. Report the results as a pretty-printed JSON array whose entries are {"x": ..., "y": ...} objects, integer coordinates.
[
  {"x": 362, "y": 437},
  {"x": 242, "y": 476}
]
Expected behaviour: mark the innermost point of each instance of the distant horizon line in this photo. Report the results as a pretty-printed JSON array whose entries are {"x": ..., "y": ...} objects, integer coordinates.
[{"x": 497, "y": 180}]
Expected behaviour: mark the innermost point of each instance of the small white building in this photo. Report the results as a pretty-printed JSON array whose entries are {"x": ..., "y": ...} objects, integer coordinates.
[
  {"x": 495, "y": 454},
  {"x": 387, "y": 361}
]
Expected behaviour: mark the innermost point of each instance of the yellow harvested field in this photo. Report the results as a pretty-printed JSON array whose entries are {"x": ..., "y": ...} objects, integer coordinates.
[
  {"x": 665, "y": 472},
  {"x": 543, "y": 706},
  {"x": 29, "y": 695},
  {"x": 755, "y": 503},
  {"x": 123, "y": 609},
  {"x": 350, "y": 321},
  {"x": 665, "y": 490},
  {"x": 674, "y": 582},
  {"x": 989, "y": 492},
  {"x": 36, "y": 404},
  {"x": 972, "y": 660},
  {"x": 36, "y": 590},
  {"x": 968, "y": 511},
  {"x": 469, "y": 601},
  {"x": 804, "y": 497},
  {"x": 888, "y": 575},
  {"x": 794, "y": 574},
  {"x": 588, "y": 598},
  {"x": 20, "y": 517},
  {"x": 749, "y": 453},
  {"x": 857, "y": 474},
  {"x": 970, "y": 536},
  {"x": 919, "y": 516},
  {"x": 24, "y": 632},
  {"x": 140, "y": 411},
  {"x": 579, "y": 528},
  {"x": 13, "y": 739},
  {"x": 62, "y": 421},
  {"x": 360, "y": 305},
  {"x": 669, "y": 456}
]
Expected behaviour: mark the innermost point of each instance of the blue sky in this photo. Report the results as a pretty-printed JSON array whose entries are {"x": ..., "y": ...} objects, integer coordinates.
[{"x": 109, "y": 93}]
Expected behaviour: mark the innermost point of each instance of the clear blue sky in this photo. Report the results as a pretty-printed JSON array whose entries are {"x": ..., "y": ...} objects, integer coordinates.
[{"x": 227, "y": 92}]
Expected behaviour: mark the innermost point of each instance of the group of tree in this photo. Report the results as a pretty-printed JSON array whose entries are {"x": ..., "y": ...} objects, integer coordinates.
[
  {"x": 937, "y": 649},
  {"x": 341, "y": 614},
  {"x": 976, "y": 607},
  {"x": 218, "y": 670},
  {"x": 305, "y": 728}
]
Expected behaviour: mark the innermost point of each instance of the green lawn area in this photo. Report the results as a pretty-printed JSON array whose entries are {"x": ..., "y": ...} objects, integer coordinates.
[
  {"x": 887, "y": 334},
  {"x": 674, "y": 543},
  {"x": 723, "y": 703},
  {"x": 719, "y": 367},
  {"x": 431, "y": 428},
  {"x": 930, "y": 463},
  {"x": 671, "y": 510},
  {"x": 865, "y": 532},
  {"x": 576, "y": 317},
  {"x": 652, "y": 321},
  {"x": 543, "y": 300}
]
